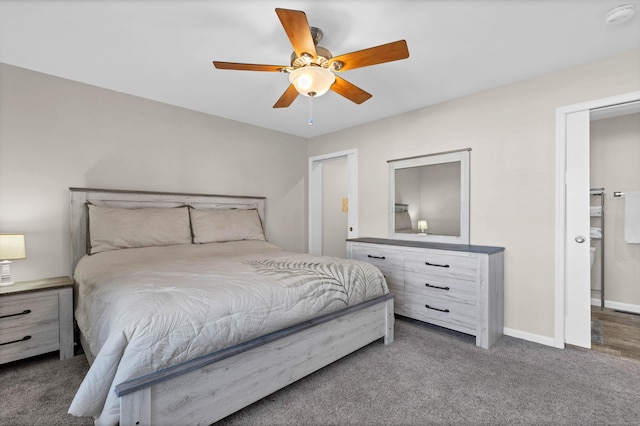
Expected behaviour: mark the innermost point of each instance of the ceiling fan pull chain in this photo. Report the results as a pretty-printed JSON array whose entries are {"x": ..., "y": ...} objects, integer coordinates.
[{"x": 310, "y": 119}]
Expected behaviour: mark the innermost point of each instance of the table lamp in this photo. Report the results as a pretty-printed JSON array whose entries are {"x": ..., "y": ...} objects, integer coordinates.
[{"x": 11, "y": 248}]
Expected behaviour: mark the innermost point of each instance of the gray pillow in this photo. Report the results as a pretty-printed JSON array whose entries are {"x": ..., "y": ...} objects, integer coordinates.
[
  {"x": 221, "y": 225},
  {"x": 112, "y": 228}
]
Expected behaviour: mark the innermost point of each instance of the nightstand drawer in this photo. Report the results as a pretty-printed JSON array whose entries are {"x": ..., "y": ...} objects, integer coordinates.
[
  {"x": 28, "y": 340},
  {"x": 442, "y": 287},
  {"x": 27, "y": 309},
  {"x": 463, "y": 266}
]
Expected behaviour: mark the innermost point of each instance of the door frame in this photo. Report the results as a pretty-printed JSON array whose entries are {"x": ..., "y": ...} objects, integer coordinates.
[
  {"x": 315, "y": 197},
  {"x": 567, "y": 325}
]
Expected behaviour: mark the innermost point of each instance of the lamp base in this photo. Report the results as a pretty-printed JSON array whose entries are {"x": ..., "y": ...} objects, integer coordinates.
[{"x": 5, "y": 275}]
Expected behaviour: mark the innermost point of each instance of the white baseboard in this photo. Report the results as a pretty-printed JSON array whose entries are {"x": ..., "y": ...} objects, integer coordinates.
[
  {"x": 619, "y": 306},
  {"x": 536, "y": 338},
  {"x": 550, "y": 341}
]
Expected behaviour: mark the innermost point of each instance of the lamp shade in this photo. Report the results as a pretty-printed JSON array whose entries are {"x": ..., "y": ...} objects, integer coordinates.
[
  {"x": 422, "y": 225},
  {"x": 312, "y": 80},
  {"x": 12, "y": 247}
]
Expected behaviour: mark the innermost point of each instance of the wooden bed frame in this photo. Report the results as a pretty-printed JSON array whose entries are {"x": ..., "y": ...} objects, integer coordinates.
[{"x": 207, "y": 389}]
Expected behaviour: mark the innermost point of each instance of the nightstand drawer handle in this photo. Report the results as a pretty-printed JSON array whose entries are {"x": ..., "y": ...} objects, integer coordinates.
[
  {"x": 16, "y": 341},
  {"x": 25, "y": 312},
  {"x": 435, "y": 286},
  {"x": 436, "y": 309},
  {"x": 376, "y": 257},
  {"x": 435, "y": 264}
]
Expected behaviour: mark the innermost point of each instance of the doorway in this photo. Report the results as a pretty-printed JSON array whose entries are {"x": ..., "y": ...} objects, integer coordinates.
[
  {"x": 572, "y": 277},
  {"x": 615, "y": 268},
  {"x": 328, "y": 207}
]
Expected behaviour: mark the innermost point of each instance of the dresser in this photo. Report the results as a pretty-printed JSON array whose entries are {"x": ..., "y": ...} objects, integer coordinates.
[
  {"x": 36, "y": 317},
  {"x": 456, "y": 286}
]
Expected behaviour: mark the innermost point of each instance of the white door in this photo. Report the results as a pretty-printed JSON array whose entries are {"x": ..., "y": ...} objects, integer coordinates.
[
  {"x": 573, "y": 302},
  {"x": 316, "y": 191},
  {"x": 335, "y": 207},
  {"x": 577, "y": 263}
]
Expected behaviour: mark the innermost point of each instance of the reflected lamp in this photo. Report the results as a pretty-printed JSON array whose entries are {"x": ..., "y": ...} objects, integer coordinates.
[{"x": 422, "y": 227}]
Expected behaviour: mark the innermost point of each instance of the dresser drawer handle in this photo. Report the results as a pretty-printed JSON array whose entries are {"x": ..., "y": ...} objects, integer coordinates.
[
  {"x": 435, "y": 264},
  {"x": 436, "y": 309},
  {"x": 25, "y": 312},
  {"x": 16, "y": 341},
  {"x": 435, "y": 286},
  {"x": 376, "y": 257}
]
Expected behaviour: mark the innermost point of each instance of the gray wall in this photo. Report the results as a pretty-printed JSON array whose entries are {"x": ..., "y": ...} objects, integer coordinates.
[
  {"x": 512, "y": 133},
  {"x": 56, "y": 134}
]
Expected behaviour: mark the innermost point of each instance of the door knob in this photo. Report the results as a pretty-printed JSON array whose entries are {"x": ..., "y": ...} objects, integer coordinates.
[{"x": 580, "y": 239}]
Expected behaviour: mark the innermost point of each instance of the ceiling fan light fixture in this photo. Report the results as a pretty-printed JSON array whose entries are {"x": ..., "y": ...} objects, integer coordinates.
[{"x": 312, "y": 80}]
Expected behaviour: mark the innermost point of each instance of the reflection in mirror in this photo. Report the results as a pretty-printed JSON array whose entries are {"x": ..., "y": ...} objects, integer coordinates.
[{"x": 429, "y": 198}]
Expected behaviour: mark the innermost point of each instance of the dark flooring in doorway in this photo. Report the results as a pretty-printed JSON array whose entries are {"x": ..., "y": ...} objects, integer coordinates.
[{"x": 616, "y": 333}]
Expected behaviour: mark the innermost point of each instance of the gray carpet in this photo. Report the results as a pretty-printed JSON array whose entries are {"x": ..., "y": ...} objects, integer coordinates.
[{"x": 427, "y": 376}]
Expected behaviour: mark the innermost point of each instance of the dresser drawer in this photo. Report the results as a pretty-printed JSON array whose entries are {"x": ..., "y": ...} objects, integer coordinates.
[
  {"x": 460, "y": 265},
  {"x": 446, "y": 313},
  {"x": 384, "y": 259},
  {"x": 442, "y": 287},
  {"x": 395, "y": 278},
  {"x": 395, "y": 281},
  {"x": 31, "y": 308}
]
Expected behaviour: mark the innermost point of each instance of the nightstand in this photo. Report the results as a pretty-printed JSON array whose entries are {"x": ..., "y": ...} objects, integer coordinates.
[{"x": 36, "y": 317}]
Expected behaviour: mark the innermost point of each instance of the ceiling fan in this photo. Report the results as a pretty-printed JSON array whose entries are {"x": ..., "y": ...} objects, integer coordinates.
[{"x": 312, "y": 69}]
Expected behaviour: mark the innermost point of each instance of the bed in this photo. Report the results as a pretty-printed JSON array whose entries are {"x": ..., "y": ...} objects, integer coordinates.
[{"x": 194, "y": 321}]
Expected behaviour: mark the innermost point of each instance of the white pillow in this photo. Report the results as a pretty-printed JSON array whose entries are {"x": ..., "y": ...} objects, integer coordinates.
[
  {"x": 220, "y": 225},
  {"x": 112, "y": 228}
]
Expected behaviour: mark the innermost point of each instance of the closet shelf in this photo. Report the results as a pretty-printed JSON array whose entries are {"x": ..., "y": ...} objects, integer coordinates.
[{"x": 597, "y": 233}]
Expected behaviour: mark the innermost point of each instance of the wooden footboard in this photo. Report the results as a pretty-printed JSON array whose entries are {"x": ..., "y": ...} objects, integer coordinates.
[{"x": 207, "y": 389}]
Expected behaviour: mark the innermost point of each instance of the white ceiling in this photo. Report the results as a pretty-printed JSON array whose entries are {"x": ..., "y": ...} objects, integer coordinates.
[{"x": 162, "y": 50}]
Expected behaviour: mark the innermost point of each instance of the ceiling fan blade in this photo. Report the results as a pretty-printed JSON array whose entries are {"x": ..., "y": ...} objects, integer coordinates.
[
  {"x": 374, "y": 55},
  {"x": 349, "y": 91},
  {"x": 297, "y": 28},
  {"x": 247, "y": 67},
  {"x": 287, "y": 97}
]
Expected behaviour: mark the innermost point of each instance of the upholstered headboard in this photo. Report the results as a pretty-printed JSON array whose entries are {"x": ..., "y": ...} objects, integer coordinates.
[{"x": 80, "y": 197}]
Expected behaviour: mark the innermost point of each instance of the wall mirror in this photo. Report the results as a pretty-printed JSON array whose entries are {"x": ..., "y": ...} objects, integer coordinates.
[{"x": 429, "y": 198}]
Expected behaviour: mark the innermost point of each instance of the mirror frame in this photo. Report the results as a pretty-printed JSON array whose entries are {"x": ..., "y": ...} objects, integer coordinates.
[{"x": 443, "y": 157}]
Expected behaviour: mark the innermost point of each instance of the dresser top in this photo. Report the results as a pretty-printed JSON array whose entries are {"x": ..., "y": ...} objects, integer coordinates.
[
  {"x": 37, "y": 285},
  {"x": 427, "y": 245}
]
